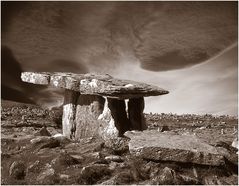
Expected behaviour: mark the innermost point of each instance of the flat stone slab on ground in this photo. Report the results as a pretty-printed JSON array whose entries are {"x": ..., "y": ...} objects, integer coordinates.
[
  {"x": 94, "y": 84},
  {"x": 153, "y": 145}
]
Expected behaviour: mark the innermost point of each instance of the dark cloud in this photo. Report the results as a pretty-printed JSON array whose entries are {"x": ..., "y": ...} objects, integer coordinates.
[
  {"x": 162, "y": 35},
  {"x": 12, "y": 88}
]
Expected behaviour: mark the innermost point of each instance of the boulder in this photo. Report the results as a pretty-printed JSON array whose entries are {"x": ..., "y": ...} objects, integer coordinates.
[
  {"x": 64, "y": 159},
  {"x": 42, "y": 142},
  {"x": 168, "y": 176},
  {"x": 47, "y": 177},
  {"x": 114, "y": 158},
  {"x": 17, "y": 170},
  {"x": 118, "y": 145},
  {"x": 43, "y": 132},
  {"x": 122, "y": 178},
  {"x": 34, "y": 167},
  {"x": 93, "y": 173},
  {"x": 235, "y": 143},
  {"x": 155, "y": 146}
]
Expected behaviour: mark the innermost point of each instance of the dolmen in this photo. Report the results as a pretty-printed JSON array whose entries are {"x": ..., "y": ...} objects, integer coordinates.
[{"x": 98, "y": 105}]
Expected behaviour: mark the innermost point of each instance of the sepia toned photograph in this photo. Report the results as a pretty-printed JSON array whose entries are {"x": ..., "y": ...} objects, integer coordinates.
[{"x": 119, "y": 93}]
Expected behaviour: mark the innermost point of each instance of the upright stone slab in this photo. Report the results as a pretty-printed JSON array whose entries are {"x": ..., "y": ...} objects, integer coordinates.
[
  {"x": 88, "y": 109},
  {"x": 69, "y": 113},
  {"x": 136, "y": 115}
]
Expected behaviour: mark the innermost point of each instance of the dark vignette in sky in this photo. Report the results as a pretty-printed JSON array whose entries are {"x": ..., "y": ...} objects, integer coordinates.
[{"x": 104, "y": 36}]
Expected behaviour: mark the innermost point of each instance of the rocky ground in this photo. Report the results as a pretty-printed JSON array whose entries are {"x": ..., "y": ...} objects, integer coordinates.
[{"x": 34, "y": 152}]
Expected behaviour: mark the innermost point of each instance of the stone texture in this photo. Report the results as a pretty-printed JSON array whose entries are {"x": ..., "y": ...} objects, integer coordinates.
[
  {"x": 122, "y": 178},
  {"x": 69, "y": 113},
  {"x": 17, "y": 170},
  {"x": 100, "y": 117},
  {"x": 47, "y": 176},
  {"x": 107, "y": 128},
  {"x": 168, "y": 176},
  {"x": 119, "y": 145},
  {"x": 152, "y": 145},
  {"x": 94, "y": 84},
  {"x": 89, "y": 108},
  {"x": 92, "y": 173},
  {"x": 114, "y": 158},
  {"x": 64, "y": 159},
  {"x": 43, "y": 132},
  {"x": 42, "y": 142},
  {"x": 136, "y": 116},
  {"x": 235, "y": 143}
]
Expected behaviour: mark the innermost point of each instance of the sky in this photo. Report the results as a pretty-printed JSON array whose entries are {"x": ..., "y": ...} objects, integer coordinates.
[{"x": 188, "y": 48}]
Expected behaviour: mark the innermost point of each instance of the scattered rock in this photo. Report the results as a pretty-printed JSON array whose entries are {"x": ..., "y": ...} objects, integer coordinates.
[
  {"x": 118, "y": 145},
  {"x": 235, "y": 143},
  {"x": 212, "y": 180},
  {"x": 229, "y": 152},
  {"x": 101, "y": 161},
  {"x": 84, "y": 147},
  {"x": 64, "y": 176},
  {"x": 163, "y": 128},
  {"x": 226, "y": 146},
  {"x": 93, "y": 173},
  {"x": 188, "y": 180},
  {"x": 48, "y": 176},
  {"x": 45, "y": 142},
  {"x": 64, "y": 159},
  {"x": 43, "y": 132},
  {"x": 78, "y": 157},
  {"x": 5, "y": 156},
  {"x": 112, "y": 165},
  {"x": 39, "y": 139},
  {"x": 34, "y": 168},
  {"x": 166, "y": 177},
  {"x": 17, "y": 170},
  {"x": 114, "y": 158},
  {"x": 151, "y": 145},
  {"x": 122, "y": 178},
  {"x": 62, "y": 139},
  {"x": 95, "y": 155}
]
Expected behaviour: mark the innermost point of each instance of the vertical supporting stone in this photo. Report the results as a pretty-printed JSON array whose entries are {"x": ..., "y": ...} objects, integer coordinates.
[
  {"x": 107, "y": 129},
  {"x": 69, "y": 113},
  {"x": 118, "y": 113},
  {"x": 89, "y": 108},
  {"x": 136, "y": 116}
]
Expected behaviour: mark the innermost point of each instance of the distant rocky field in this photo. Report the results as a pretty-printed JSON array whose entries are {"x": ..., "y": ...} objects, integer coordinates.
[{"x": 34, "y": 152}]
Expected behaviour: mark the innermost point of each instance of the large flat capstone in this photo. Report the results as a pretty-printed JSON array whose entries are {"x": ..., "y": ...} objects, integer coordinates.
[
  {"x": 153, "y": 145},
  {"x": 94, "y": 84}
]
